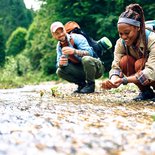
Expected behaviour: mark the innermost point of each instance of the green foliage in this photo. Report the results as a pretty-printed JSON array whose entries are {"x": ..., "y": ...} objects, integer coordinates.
[
  {"x": 40, "y": 47},
  {"x": 9, "y": 77},
  {"x": 48, "y": 63},
  {"x": 23, "y": 65},
  {"x": 153, "y": 117},
  {"x": 14, "y": 68},
  {"x": 55, "y": 92},
  {"x": 32, "y": 47},
  {"x": 13, "y": 14},
  {"x": 96, "y": 17},
  {"x": 2, "y": 49},
  {"x": 16, "y": 42}
]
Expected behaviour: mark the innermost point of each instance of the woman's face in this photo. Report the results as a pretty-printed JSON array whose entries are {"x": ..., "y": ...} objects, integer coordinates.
[{"x": 128, "y": 33}]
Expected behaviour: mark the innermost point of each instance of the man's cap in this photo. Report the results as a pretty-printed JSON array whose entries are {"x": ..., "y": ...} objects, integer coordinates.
[{"x": 55, "y": 26}]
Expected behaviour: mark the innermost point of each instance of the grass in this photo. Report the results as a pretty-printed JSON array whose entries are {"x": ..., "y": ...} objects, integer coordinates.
[
  {"x": 19, "y": 81},
  {"x": 11, "y": 80}
]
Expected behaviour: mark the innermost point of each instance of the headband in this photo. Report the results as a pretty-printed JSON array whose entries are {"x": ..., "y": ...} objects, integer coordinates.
[{"x": 129, "y": 21}]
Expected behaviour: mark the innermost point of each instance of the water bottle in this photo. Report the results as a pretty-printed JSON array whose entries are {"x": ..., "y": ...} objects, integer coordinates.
[
  {"x": 105, "y": 44},
  {"x": 65, "y": 56}
]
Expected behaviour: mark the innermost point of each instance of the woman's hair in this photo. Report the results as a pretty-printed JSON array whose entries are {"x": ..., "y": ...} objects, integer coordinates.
[{"x": 135, "y": 11}]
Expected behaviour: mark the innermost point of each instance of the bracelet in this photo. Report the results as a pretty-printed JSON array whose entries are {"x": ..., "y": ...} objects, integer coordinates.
[{"x": 124, "y": 81}]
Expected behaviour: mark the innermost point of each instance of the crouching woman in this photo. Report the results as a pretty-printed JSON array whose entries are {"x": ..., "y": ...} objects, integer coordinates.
[{"x": 134, "y": 55}]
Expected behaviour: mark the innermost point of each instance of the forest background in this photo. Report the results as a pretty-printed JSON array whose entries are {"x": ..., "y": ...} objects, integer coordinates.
[{"x": 27, "y": 50}]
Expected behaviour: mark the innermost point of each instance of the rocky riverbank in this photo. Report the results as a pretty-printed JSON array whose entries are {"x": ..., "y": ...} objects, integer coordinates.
[{"x": 48, "y": 119}]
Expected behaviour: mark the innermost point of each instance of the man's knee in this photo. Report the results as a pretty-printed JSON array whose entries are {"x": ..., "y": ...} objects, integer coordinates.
[
  {"x": 88, "y": 61},
  {"x": 59, "y": 72}
]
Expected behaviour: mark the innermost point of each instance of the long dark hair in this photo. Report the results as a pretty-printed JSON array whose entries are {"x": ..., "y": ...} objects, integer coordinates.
[{"x": 135, "y": 11}]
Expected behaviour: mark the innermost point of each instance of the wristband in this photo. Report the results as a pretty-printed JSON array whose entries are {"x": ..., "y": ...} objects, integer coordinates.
[{"x": 124, "y": 81}]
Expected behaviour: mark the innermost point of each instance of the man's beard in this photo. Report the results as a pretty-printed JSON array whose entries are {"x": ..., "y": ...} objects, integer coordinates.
[{"x": 64, "y": 39}]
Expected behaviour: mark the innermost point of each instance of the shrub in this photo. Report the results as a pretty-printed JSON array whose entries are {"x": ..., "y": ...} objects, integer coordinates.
[{"x": 16, "y": 42}]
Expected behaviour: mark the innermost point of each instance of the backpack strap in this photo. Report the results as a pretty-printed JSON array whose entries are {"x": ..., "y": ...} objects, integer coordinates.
[
  {"x": 125, "y": 47},
  {"x": 72, "y": 42},
  {"x": 127, "y": 53},
  {"x": 123, "y": 42},
  {"x": 72, "y": 58},
  {"x": 67, "y": 44},
  {"x": 147, "y": 32}
]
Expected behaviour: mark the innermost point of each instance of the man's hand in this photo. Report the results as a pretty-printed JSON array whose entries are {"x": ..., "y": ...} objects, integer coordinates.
[
  {"x": 68, "y": 50},
  {"x": 63, "y": 61}
]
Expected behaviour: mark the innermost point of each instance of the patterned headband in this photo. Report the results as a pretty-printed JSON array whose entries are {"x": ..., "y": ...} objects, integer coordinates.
[{"x": 129, "y": 21}]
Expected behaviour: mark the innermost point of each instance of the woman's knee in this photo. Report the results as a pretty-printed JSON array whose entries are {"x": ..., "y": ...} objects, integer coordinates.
[
  {"x": 123, "y": 62},
  {"x": 127, "y": 64},
  {"x": 139, "y": 64}
]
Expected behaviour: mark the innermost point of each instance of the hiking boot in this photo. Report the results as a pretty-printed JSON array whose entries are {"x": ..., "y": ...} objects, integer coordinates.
[
  {"x": 153, "y": 99},
  {"x": 145, "y": 95},
  {"x": 80, "y": 86},
  {"x": 89, "y": 88}
]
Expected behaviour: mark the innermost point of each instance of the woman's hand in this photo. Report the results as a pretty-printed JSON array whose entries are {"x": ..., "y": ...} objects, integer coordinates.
[
  {"x": 114, "y": 82},
  {"x": 117, "y": 82},
  {"x": 68, "y": 50},
  {"x": 108, "y": 84}
]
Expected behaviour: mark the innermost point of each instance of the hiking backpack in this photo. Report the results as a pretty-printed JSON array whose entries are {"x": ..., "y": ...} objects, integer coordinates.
[
  {"x": 150, "y": 25},
  {"x": 102, "y": 47}
]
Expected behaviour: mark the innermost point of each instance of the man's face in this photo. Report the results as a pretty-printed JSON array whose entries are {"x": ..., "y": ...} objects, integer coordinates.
[{"x": 60, "y": 34}]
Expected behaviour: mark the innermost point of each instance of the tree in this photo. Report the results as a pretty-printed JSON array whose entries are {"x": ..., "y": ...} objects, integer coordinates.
[
  {"x": 13, "y": 14},
  {"x": 16, "y": 42},
  {"x": 2, "y": 49}
]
